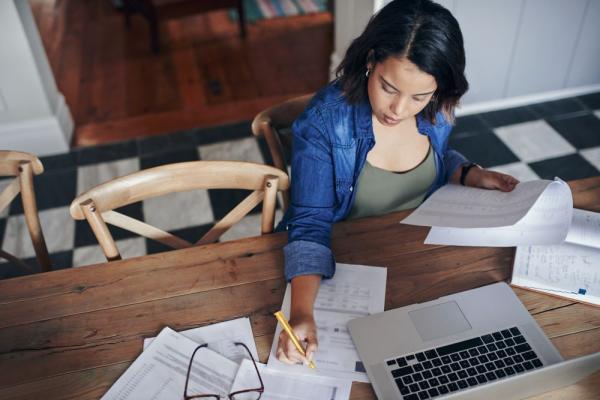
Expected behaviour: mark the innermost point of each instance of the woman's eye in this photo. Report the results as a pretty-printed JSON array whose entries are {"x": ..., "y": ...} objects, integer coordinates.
[
  {"x": 387, "y": 90},
  {"x": 418, "y": 99}
]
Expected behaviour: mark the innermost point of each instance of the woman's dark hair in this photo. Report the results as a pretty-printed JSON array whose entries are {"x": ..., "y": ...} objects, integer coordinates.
[{"x": 420, "y": 30}]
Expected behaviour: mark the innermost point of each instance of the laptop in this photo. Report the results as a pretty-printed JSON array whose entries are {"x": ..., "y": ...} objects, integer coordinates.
[{"x": 480, "y": 343}]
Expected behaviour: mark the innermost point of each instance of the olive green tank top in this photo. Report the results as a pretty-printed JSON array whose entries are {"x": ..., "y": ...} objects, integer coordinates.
[{"x": 380, "y": 191}]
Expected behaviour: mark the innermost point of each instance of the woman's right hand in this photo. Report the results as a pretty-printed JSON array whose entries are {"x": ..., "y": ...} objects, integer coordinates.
[{"x": 306, "y": 329}]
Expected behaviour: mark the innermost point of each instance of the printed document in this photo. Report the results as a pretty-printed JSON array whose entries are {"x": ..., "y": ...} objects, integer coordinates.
[
  {"x": 289, "y": 386},
  {"x": 536, "y": 212},
  {"x": 571, "y": 269},
  {"x": 159, "y": 372},
  {"x": 221, "y": 337},
  {"x": 354, "y": 291}
]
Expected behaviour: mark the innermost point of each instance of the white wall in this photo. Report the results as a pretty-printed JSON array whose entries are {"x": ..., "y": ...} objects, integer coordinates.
[
  {"x": 33, "y": 113},
  {"x": 518, "y": 51},
  {"x": 351, "y": 17}
]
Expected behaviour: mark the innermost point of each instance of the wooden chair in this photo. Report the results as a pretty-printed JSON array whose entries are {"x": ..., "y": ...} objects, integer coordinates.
[
  {"x": 97, "y": 204},
  {"x": 23, "y": 166},
  {"x": 268, "y": 124}
]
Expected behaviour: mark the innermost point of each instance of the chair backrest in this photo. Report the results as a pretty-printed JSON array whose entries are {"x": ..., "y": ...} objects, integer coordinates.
[
  {"x": 268, "y": 123},
  {"x": 97, "y": 204},
  {"x": 23, "y": 166}
]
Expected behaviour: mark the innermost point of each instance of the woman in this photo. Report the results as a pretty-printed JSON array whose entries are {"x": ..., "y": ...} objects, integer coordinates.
[{"x": 374, "y": 141}]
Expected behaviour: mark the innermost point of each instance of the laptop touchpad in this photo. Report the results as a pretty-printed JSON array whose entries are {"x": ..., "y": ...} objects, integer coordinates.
[{"x": 439, "y": 321}]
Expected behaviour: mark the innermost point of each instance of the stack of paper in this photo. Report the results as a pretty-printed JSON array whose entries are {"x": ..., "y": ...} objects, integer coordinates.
[
  {"x": 221, "y": 368},
  {"x": 160, "y": 371},
  {"x": 571, "y": 269},
  {"x": 534, "y": 213}
]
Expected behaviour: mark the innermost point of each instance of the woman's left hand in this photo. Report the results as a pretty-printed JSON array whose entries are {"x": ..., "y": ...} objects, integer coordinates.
[{"x": 486, "y": 179}]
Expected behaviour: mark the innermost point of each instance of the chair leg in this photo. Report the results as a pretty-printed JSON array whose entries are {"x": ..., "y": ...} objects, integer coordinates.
[
  {"x": 105, "y": 239},
  {"x": 32, "y": 218},
  {"x": 269, "y": 202},
  {"x": 154, "y": 34},
  {"x": 284, "y": 200},
  {"x": 241, "y": 18},
  {"x": 127, "y": 20},
  {"x": 148, "y": 11}
]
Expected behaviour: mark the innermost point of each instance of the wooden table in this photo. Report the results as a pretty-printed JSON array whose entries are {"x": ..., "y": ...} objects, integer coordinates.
[{"x": 69, "y": 334}]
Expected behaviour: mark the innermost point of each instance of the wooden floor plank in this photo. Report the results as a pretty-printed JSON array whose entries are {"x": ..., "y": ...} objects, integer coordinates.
[{"x": 115, "y": 86}]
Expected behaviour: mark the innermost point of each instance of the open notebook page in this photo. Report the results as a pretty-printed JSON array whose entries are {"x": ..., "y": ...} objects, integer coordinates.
[{"x": 571, "y": 269}]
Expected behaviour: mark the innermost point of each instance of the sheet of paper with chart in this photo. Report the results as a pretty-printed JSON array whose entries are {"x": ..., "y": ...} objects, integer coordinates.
[
  {"x": 354, "y": 291},
  {"x": 535, "y": 212},
  {"x": 571, "y": 269},
  {"x": 159, "y": 372},
  {"x": 290, "y": 386},
  {"x": 221, "y": 337}
]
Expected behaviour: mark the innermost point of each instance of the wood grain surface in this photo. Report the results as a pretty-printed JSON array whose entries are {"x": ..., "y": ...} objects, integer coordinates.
[{"x": 69, "y": 334}]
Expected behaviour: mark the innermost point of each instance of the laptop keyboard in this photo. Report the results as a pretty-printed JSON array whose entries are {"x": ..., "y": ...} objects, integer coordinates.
[{"x": 458, "y": 366}]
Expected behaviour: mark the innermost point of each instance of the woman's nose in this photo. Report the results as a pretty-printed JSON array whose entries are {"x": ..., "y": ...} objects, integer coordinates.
[{"x": 398, "y": 107}]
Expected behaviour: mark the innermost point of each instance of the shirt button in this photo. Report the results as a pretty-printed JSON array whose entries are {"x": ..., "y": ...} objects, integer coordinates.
[{"x": 351, "y": 188}]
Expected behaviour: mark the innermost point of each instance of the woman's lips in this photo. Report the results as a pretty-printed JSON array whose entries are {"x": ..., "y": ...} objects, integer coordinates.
[{"x": 389, "y": 120}]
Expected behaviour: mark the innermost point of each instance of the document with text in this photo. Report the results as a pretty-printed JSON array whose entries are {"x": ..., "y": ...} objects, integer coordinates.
[
  {"x": 534, "y": 213},
  {"x": 571, "y": 269},
  {"x": 160, "y": 371},
  {"x": 221, "y": 337},
  {"x": 354, "y": 291},
  {"x": 289, "y": 386}
]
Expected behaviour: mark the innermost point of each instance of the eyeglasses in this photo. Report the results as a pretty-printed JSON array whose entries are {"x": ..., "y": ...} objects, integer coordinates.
[{"x": 248, "y": 394}]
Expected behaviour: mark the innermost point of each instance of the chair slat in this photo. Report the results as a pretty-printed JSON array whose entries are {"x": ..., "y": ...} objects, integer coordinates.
[
  {"x": 9, "y": 193},
  {"x": 145, "y": 230},
  {"x": 233, "y": 217}
]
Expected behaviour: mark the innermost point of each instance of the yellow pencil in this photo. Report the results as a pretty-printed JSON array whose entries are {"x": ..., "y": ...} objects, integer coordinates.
[{"x": 286, "y": 326}]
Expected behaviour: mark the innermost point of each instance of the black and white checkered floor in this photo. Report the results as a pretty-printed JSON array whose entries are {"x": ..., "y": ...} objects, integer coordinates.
[{"x": 559, "y": 138}]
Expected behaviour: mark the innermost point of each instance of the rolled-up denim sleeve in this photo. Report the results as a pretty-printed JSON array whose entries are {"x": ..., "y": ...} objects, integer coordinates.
[
  {"x": 311, "y": 210},
  {"x": 308, "y": 258},
  {"x": 452, "y": 160}
]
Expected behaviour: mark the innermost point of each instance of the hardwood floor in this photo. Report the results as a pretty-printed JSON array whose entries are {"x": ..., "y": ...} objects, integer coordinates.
[{"x": 205, "y": 75}]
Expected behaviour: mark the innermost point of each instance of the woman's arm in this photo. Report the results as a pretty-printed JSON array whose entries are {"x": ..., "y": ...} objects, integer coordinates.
[
  {"x": 308, "y": 256},
  {"x": 485, "y": 179},
  {"x": 304, "y": 292}
]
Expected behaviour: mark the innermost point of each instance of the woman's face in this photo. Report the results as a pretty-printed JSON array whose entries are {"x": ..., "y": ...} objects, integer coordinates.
[{"x": 398, "y": 90}]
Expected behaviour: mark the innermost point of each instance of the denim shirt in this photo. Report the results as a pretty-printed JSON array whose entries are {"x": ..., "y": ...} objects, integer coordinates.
[{"x": 330, "y": 143}]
